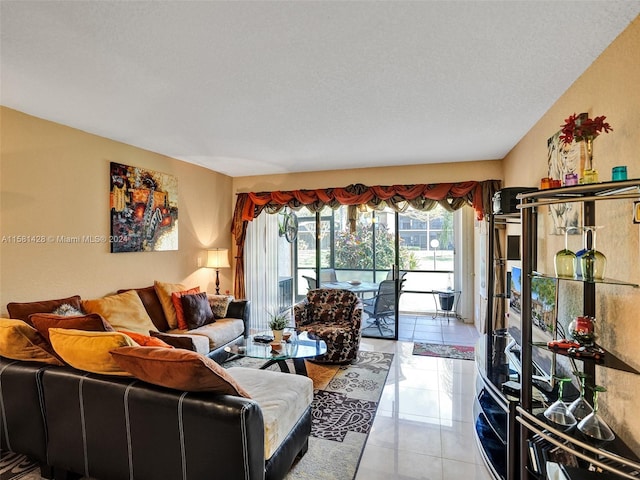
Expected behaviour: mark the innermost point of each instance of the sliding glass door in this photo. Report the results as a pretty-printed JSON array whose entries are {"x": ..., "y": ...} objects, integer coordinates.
[
  {"x": 392, "y": 261},
  {"x": 354, "y": 249}
]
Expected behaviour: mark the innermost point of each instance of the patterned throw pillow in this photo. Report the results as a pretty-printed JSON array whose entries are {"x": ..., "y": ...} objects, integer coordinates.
[
  {"x": 67, "y": 310},
  {"x": 219, "y": 304}
]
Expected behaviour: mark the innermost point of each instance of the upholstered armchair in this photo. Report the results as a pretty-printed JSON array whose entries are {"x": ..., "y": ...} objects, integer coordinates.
[{"x": 334, "y": 316}]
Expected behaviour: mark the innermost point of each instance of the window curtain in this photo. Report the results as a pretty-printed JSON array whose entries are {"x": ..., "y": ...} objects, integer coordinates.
[
  {"x": 451, "y": 196},
  {"x": 262, "y": 267}
]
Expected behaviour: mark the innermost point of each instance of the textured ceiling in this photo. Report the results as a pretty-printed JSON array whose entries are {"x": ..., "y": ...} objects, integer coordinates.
[{"x": 248, "y": 88}]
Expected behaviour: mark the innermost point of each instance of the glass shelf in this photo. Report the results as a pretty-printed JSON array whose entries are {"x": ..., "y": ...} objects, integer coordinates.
[
  {"x": 608, "y": 360},
  {"x": 578, "y": 192},
  {"x": 605, "y": 281}
]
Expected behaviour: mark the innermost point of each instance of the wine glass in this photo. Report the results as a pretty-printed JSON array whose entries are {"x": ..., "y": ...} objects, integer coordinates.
[
  {"x": 592, "y": 425},
  {"x": 580, "y": 408},
  {"x": 565, "y": 261},
  {"x": 558, "y": 412},
  {"x": 592, "y": 261}
]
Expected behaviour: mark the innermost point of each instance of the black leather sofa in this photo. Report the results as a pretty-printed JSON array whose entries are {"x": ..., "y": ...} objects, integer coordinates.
[
  {"x": 114, "y": 428},
  {"x": 22, "y": 423}
]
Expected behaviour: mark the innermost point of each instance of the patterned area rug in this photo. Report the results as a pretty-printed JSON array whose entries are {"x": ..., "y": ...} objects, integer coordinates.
[
  {"x": 344, "y": 407},
  {"x": 14, "y": 466},
  {"x": 461, "y": 352},
  {"x": 345, "y": 402}
]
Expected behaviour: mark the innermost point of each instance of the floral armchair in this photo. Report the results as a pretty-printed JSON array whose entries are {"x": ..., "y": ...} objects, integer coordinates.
[{"x": 334, "y": 316}]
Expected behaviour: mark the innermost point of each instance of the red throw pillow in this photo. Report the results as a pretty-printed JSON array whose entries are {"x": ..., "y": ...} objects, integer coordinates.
[{"x": 177, "y": 303}]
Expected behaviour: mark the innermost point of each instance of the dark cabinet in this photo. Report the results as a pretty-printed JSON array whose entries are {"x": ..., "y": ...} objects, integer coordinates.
[
  {"x": 613, "y": 458},
  {"x": 494, "y": 409},
  {"x": 494, "y": 405}
]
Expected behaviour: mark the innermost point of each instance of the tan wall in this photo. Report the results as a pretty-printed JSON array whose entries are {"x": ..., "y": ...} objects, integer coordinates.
[
  {"x": 55, "y": 181},
  {"x": 609, "y": 87},
  {"x": 396, "y": 175}
]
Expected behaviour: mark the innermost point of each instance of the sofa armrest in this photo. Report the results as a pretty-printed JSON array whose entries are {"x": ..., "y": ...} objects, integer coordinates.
[{"x": 240, "y": 309}]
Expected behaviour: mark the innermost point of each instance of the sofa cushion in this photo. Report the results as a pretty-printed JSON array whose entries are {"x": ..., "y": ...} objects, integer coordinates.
[
  {"x": 145, "y": 340},
  {"x": 152, "y": 305},
  {"x": 123, "y": 311},
  {"x": 89, "y": 351},
  {"x": 220, "y": 332},
  {"x": 20, "y": 341},
  {"x": 90, "y": 322},
  {"x": 197, "y": 311},
  {"x": 177, "y": 304},
  {"x": 23, "y": 310},
  {"x": 178, "y": 369},
  {"x": 219, "y": 304},
  {"x": 194, "y": 343},
  {"x": 282, "y": 397},
  {"x": 164, "y": 291}
]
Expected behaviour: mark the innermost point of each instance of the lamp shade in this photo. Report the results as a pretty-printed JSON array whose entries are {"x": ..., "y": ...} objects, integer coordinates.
[{"x": 218, "y": 258}]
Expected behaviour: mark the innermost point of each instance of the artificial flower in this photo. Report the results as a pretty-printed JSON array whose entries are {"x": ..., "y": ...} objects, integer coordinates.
[{"x": 580, "y": 128}]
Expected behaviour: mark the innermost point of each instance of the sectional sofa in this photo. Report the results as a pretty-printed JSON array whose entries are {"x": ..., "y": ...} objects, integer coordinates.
[{"x": 159, "y": 412}]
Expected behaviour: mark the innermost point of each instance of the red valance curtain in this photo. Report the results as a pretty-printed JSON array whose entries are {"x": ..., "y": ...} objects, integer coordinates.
[{"x": 451, "y": 196}]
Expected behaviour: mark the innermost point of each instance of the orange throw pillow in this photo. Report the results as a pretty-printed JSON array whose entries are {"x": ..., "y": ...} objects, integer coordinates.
[
  {"x": 178, "y": 369},
  {"x": 177, "y": 303},
  {"x": 145, "y": 340}
]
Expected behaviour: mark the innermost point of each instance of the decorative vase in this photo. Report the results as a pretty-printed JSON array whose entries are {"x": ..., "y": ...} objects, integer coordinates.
[
  {"x": 582, "y": 330},
  {"x": 592, "y": 261},
  {"x": 589, "y": 174},
  {"x": 277, "y": 335}
]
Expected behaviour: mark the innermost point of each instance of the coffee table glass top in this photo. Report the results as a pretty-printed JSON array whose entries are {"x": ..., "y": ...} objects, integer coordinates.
[{"x": 299, "y": 345}]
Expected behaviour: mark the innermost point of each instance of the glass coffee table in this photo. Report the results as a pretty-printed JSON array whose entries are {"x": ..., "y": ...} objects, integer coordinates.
[{"x": 298, "y": 347}]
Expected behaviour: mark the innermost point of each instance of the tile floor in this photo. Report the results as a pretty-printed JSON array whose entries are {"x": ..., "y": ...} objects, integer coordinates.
[{"x": 424, "y": 423}]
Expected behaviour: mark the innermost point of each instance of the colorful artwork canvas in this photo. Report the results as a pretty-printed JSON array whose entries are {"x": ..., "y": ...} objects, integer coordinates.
[{"x": 144, "y": 210}]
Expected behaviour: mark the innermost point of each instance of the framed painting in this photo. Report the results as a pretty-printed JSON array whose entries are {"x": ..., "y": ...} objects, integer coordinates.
[
  {"x": 144, "y": 210},
  {"x": 564, "y": 158}
]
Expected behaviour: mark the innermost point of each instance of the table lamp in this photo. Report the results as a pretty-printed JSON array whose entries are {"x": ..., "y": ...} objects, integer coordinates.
[{"x": 218, "y": 258}]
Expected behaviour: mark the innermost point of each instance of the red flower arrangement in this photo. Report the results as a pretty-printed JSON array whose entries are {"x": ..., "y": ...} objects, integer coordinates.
[{"x": 582, "y": 127}]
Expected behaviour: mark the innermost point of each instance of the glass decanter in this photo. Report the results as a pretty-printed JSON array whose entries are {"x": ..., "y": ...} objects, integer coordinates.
[
  {"x": 592, "y": 261},
  {"x": 558, "y": 412},
  {"x": 565, "y": 261},
  {"x": 580, "y": 408},
  {"x": 592, "y": 426}
]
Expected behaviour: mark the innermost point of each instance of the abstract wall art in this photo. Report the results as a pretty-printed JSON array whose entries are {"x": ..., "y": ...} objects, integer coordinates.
[{"x": 144, "y": 210}]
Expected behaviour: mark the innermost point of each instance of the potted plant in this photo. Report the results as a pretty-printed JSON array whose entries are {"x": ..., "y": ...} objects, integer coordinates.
[{"x": 278, "y": 321}]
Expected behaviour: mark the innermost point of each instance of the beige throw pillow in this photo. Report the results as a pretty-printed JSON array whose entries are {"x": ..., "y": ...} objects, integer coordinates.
[
  {"x": 124, "y": 311},
  {"x": 164, "y": 291}
]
